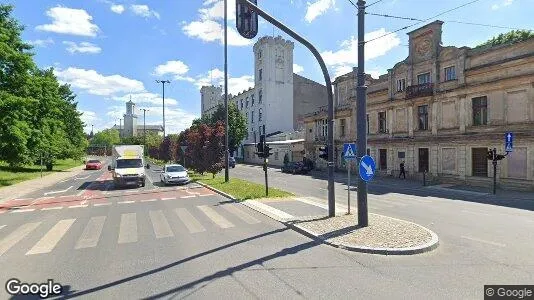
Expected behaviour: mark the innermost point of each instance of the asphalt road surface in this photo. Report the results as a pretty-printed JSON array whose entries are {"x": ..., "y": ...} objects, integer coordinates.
[{"x": 187, "y": 242}]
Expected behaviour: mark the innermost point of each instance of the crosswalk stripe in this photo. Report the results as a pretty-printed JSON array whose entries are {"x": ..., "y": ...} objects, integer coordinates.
[
  {"x": 2, "y": 226},
  {"x": 16, "y": 236},
  {"x": 241, "y": 214},
  {"x": 189, "y": 221},
  {"x": 191, "y": 196},
  {"x": 160, "y": 224},
  {"x": 128, "y": 228},
  {"x": 91, "y": 233},
  {"x": 215, "y": 217},
  {"x": 52, "y": 237}
]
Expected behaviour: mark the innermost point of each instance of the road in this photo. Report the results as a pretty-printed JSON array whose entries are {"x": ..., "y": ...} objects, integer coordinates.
[{"x": 187, "y": 242}]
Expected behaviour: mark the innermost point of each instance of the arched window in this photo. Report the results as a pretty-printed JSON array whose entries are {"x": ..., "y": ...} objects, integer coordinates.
[{"x": 260, "y": 114}]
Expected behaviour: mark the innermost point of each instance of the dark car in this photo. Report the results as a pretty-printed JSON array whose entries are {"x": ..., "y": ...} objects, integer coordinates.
[{"x": 295, "y": 168}]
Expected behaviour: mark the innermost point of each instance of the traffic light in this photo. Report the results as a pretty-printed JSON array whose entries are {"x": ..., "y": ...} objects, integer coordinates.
[
  {"x": 267, "y": 150},
  {"x": 490, "y": 154},
  {"x": 260, "y": 146},
  {"x": 246, "y": 20},
  {"x": 323, "y": 152}
]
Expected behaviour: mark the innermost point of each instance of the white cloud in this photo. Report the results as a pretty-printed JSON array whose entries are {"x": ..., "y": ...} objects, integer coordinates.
[
  {"x": 42, "y": 43},
  {"x": 297, "y": 68},
  {"x": 143, "y": 11},
  {"x": 343, "y": 59},
  {"x": 88, "y": 117},
  {"x": 174, "y": 67},
  {"x": 146, "y": 98},
  {"x": 216, "y": 77},
  {"x": 69, "y": 21},
  {"x": 503, "y": 4},
  {"x": 317, "y": 8},
  {"x": 208, "y": 27},
  {"x": 176, "y": 119},
  {"x": 117, "y": 8},
  {"x": 97, "y": 84},
  {"x": 83, "y": 47}
]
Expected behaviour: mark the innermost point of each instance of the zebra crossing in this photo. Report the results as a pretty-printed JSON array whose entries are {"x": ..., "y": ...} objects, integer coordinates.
[{"x": 192, "y": 220}]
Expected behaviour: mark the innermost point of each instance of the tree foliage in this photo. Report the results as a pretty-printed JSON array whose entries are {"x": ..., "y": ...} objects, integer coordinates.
[
  {"x": 205, "y": 150},
  {"x": 108, "y": 138},
  {"x": 38, "y": 116},
  {"x": 169, "y": 148},
  {"x": 512, "y": 37}
]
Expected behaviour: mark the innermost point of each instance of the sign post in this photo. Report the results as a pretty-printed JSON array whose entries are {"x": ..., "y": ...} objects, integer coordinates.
[
  {"x": 184, "y": 147},
  {"x": 349, "y": 153}
]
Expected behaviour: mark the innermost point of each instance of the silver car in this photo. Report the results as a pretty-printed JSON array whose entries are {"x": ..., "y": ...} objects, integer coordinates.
[{"x": 174, "y": 174}]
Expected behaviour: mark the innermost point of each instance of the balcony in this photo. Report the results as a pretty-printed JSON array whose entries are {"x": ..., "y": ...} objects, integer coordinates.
[{"x": 419, "y": 90}]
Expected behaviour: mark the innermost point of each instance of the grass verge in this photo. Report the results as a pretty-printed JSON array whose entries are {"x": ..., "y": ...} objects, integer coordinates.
[
  {"x": 10, "y": 176},
  {"x": 239, "y": 188}
]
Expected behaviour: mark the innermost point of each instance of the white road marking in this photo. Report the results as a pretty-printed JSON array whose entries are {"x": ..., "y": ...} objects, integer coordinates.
[
  {"x": 128, "y": 228},
  {"x": 160, "y": 224},
  {"x": 52, "y": 208},
  {"x": 149, "y": 200},
  {"x": 269, "y": 209},
  {"x": 80, "y": 193},
  {"x": 206, "y": 195},
  {"x": 168, "y": 198},
  {"x": 16, "y": 236},
  {"x": 483, "y": 241},
  {"x": 190, "y": 196},
  {"x": 102, "y": 204},
  {"x": 91, "y": 233},
  {"x": 77, "y": 206},
  {"x": 125, "y": 202},
  {"x": 215, "y": 216},
  {"x": 241, "y": 214},
  {"x": 22, "y": 210},
  {"x": 22, "y": 199},
  {"x": 52, "y": 237},
  {"x": 2, "y": 226},
  {"x": 475, "y": 213},
  {"x": 83, "y": 177},
  {"x": 192, "y": 224},
  {"x": 57, "y": 192},
  {"x": 65, "y": 196},
  {"x": 322, "y": 189},
  {"x": 191, "y": 193},
  {"x": 83, "y": 202},
  {"x": 132, "y": 191},
  {"x": 44, "y": 198}
]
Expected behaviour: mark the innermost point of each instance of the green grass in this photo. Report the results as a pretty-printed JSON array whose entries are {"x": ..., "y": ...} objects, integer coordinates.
[
  {"x": 10, "y": 176},
  {"x": 239, "y": 188}
]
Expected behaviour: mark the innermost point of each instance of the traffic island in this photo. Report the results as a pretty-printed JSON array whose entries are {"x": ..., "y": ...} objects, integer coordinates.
[{"x": 384, "y": 235}]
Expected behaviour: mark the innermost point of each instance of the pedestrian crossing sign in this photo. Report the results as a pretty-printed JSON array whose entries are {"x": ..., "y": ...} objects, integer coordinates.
[{"x": 349, "y": 151}]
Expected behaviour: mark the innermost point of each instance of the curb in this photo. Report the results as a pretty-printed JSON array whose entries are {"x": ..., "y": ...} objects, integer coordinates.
[{"x": 427, "y": 247}]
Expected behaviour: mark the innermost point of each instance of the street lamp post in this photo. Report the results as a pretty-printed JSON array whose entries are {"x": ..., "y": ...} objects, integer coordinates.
[
  {"x": 163, "y": 82},
  {"x": 226, "y": 152},
  {"x": 144, "y": 126}
]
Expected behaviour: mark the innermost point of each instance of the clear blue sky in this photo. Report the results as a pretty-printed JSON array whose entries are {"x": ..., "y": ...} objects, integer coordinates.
[{"x": 109, "y": 50}]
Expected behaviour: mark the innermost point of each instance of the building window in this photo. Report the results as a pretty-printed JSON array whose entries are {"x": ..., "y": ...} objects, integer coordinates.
[
  {"x": 479, "y": 162},
  {"x": 241, "y": 103},
  {"x": 252, "y": 99},
  {"x": 383, "y": 159},
  {"x": 260, "y": 74},
  {"x": 422, "y": 112},
  {"x": 450, "y": 73},
  {"x": 260, "y": 114},
  {"x": 263, "y": 126},
  {"x": 252, "y": 117},
  {"x": 382, "y": 127},
  {"x": 423, "y": 78},
  {"x": 260, "y": 96},
  {"x": 342, "y": 127},
  {"x": 480, "y": 111},
  {"x": 368, "y": 124},
  {"x": 259, "y": 54},
  {"x": 401, "y": 85}
]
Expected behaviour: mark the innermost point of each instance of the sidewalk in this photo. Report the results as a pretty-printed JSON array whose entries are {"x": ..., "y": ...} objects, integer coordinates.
[
  {"x": 309, "y": 216},
  {"x": 23, "y": 188}
]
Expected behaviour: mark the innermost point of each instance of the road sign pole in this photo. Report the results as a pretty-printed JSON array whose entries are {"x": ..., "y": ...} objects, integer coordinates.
[
  {"x": 494, "y": 171},
  {"x": 361, "y": 112},
  {"x": 348, "y": 186},
  {"x": 266, "y": 181}
]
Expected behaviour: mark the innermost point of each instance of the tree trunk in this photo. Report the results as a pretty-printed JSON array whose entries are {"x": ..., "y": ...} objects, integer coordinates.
[{"x": 49, "y": 166}]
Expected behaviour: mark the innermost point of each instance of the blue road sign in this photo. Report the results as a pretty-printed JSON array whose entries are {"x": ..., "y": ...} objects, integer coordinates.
[
  {"x": 509, "y": 141},
  {"x": 367, "y": 168},
  {"x": 349, "y": 151}
]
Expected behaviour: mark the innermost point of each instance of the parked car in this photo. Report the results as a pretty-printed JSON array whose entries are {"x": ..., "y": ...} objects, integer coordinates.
[
  {"x": 174, "y": 174},
  {"x": 93, "y": 164},
  {"x": 295, "y": 168}
]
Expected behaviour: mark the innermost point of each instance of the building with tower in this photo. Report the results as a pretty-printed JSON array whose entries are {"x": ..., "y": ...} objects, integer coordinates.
[
  {"x": 279, "y": 99},
  {"x": 129, "y": 126}
]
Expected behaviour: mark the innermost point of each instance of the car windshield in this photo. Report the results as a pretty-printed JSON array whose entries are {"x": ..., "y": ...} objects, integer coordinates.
[
  {"x": 175, "y": 169},
  {"x": 129, "y": 163},
  {"x": 93, "y": 162}
]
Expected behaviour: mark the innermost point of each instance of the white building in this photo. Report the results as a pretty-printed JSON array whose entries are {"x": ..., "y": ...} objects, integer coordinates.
[
  {"x": 126, "y": 129},
  {"x": 279, "y": 98}
]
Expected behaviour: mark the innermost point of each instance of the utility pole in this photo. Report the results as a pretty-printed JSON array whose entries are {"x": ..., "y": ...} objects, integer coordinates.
[
  {"x": 226, "y": 152},
  {"x": 361, "y": 116},
  {"x": 120, "y": 129},
  {"x": 92, "y": 130},
  {"x": 144, "y": 126},
  {"x": 163, "y": 84}
]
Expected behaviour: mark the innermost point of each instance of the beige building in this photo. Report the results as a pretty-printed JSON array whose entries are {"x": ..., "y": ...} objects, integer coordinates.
[{"x": 441, "y": 108}]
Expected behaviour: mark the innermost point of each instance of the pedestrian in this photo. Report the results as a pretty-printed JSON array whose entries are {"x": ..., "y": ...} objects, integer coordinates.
[{"x": 402, "y": 171}]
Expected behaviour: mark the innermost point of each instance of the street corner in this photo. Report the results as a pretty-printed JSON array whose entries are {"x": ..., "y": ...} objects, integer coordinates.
[{"x": 384, "y": 235}]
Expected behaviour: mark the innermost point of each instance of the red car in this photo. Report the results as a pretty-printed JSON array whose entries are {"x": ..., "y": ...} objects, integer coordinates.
[{"x": 93, "y": 165}]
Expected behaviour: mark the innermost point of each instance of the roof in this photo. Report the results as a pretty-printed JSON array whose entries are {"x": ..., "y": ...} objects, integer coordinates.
[{"x": 279, "y": 142}]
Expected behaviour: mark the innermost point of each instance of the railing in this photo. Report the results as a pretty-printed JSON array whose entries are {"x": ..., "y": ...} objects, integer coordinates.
[{"x": 419, "y": 90}]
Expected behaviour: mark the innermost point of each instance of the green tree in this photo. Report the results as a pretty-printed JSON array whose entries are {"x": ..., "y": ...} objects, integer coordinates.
[
  {"x": 512, "y": 37},
  {"x": 237, "y": 125},
  {"x": 107, "y": 137}
]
